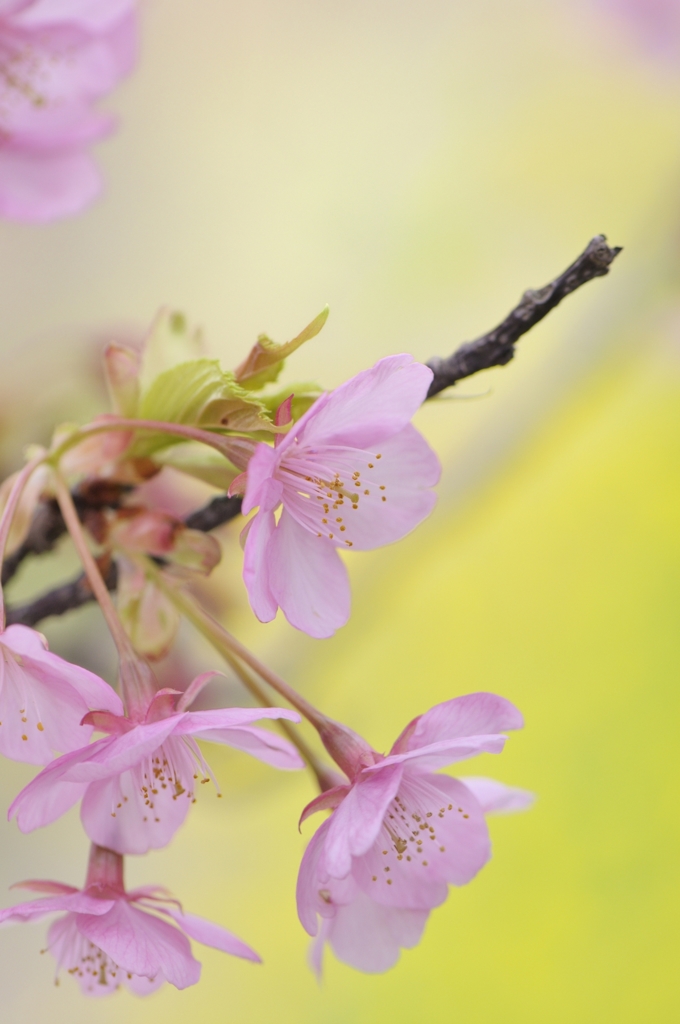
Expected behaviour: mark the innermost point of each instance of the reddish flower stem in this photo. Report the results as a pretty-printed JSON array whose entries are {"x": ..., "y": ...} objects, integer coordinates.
[{"x": 137, "y": 682}]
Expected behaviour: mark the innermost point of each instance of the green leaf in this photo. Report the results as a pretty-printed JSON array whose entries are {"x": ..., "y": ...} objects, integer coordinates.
[
  {"x": 200, "y": 394},
  {"x": 168, "y": 343},
  {"x": 265, "y": 360}
]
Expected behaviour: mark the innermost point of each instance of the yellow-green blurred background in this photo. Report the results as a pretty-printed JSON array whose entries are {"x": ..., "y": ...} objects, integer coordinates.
[{"x": 416, "y": 166}]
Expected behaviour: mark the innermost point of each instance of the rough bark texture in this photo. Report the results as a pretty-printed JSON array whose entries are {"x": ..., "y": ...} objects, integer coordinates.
[{"x": 496, "y": 348}]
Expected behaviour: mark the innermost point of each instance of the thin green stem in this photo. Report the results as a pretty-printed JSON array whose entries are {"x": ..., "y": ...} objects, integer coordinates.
[
  {"x": 251, "y": 684},
  {"x": 224, "y": 642}
]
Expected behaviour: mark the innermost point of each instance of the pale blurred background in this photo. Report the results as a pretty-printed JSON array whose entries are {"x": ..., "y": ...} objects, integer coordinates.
[{"x": 416, "y": 166}]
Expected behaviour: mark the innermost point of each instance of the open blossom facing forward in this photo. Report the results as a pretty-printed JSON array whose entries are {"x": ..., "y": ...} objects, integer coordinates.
[
  {"x": 400, "y": 833},
  {"x": 43, "y": 699},
  {"x": 351, "y": 474},
  {"x": 57, "y": 57},
  {"x": 107, "y": 938},
  {"x": 138, "y": 782}
]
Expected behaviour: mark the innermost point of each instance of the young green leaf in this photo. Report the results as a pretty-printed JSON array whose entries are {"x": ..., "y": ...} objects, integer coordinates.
[{"x": 265, "y": 360}]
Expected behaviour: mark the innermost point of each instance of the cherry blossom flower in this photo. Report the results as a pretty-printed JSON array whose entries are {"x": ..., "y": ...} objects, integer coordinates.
[
  {"x": 400, "y": 834},
  {"x": 43, "y": 699},
  {"x": 351, "y": 473},
  {"x": 57, "y": 57},
  {"x": 138, "y": 782},
  {"x": 108, "y": 938}
]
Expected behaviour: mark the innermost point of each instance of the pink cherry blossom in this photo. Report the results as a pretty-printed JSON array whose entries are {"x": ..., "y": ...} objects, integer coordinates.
[
  {"x": 108, "y": 937},
  {"x": 57, "y": 57},
  {"x": 400, "y": 834},
  {"x": 43, "y": 699},
  {"x": 351, "y": 473},
  {"x": 138, "y": 782}
]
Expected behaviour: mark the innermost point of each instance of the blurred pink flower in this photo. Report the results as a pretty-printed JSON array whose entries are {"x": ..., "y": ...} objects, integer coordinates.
[
  {"x": 657, "y": 22},
  {"x": 138, "y": 782},
  {"x": 109, "y": 937},
  {"x": 57, "y": 57},
  {"x": 43, "y": 699},
  {"x": 352, "y": 473},
  {"x": 400, "y": 834}
]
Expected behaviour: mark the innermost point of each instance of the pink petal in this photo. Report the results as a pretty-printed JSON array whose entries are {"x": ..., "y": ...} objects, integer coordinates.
[
  {"x": 475, "y": 714},
  {"x": 116, "y": 754},
  {"x": 369, "y": 936},
  {"x": 259, "y": 743},
  {"x": 230, "y": 718},
  {"x": 45, "y": 886},
  {"x": 316, "y": 948},
  {"x": 327, "y": 801},
  {"x": 394, "y": 495},
  {"x": 37, "y": 718},
  {"x": 438, "y": 836},
  {"x": 256, "y": 567},
  {"x": 211, "y": 934},
  {"x": 353, "y": 828},
  {"x": 261, "y": 488},
  {"x": 77, "y": 902},
  {"x": 48, "y": 796},
  {"x": 104, "y": 721},
  {"x": 316, "y": 893},
  {"x": 142, "y": 944},
  {"x": 307, "y": 579},
  {"x": 372, "y": 406},
  {"x": 46, "y": 187},
  {"x": 445, "y": 752},
  {"x": 497, "y": 798},
  {"x": 194, "y": 688},
  {"x": 115, "y": 814},
  {"x": 92, "y": 15}
]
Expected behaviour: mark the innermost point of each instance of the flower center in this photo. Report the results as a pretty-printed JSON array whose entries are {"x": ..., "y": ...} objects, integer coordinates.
[
  {"x": 409, "y": 832},
  {"x": 168, "y": 775},
  {"x": 21, "y": 69},
  {"x": 323, "y": 495}
]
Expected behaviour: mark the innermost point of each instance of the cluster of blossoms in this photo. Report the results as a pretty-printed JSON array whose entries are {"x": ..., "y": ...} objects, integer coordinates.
[{"x": 340, "y": 471}]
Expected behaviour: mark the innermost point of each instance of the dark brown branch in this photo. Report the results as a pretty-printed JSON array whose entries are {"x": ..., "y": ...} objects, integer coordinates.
[
  {"x": 45, "y": 530},
  {"x": 48, "y": 526},
  {"x": 218, "y": 511},
  {"x": 498, "y": 346},
  {"x": 493, "y": 349},
  {"x": 77, "y": 592},
  {"x": 59, "y": 601}
]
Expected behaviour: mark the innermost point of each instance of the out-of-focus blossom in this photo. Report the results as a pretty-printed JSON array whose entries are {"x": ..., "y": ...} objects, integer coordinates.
[
  {"x": 108, "y": 937},
  {"x": 351, "y": 473},
  {"x": 655, "y": 22},
  {"x": 138, "y": 782},
  {"x": 400, "y": 834},
  {"x": 57, "y": 58},
  {"x": 43, "y": 699}
]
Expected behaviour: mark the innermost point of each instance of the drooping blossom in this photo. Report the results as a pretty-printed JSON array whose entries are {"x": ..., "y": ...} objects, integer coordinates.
[
  {"x": 138, "y": 782},
  {"x": 352, "y": 473},
  {"x": 43, "y": 699},
  {"x": 107, "y": 938},
  {"x": 400, "y": 833},
  {"x": 57, "y": 58}
]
